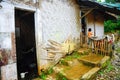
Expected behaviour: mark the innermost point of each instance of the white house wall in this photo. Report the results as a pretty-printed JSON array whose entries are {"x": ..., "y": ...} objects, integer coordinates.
[
  {"x": 60, "y": 19},
  {"x": 7, "y": 34},
  {"x": 55, "y": 20},
  {"x": 97, "y": 21},
  {"x": 7, "y": 18}
]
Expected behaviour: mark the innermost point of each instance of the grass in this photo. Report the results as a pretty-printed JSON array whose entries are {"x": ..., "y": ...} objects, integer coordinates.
[
  {"x": 74, "y": 55},
  {"x": 109, "y": 68},
  {"x": 60, "y": 77},
  {"x": 45, "y": 73},
  {"x": 118, "y": 50}
]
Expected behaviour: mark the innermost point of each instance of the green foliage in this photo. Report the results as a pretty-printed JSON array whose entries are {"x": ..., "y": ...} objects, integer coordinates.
[
  {"x": 50, "y": 70},
  {"x": 63, "y": 62},
  {"x": 118, "y": 50},
  {"x": 74, "y": 55},
  {"x": 108, "y": 68},
  {"x": 60, "y": 77},
  {"x": 112, "y": 25},
  {"x": 44, "y": 74},
  {"x": 101, "y": 72}
]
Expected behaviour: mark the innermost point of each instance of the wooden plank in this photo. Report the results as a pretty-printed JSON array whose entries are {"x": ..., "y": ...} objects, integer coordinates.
[
  {"x": 87, "y": 13},
  {"x": 54, "y": 43}
]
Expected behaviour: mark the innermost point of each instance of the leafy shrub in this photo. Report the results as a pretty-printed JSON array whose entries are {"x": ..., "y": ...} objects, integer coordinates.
[{"x": 112, "y": 25}]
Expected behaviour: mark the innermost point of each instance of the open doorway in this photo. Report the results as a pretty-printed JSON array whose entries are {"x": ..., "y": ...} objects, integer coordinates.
[
  {"x": 84, "y": 27},
  {"x": 25, "y": 43}
]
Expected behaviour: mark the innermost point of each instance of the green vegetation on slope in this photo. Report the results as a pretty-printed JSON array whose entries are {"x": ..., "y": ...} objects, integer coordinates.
[{"x": 112, "y": 25}]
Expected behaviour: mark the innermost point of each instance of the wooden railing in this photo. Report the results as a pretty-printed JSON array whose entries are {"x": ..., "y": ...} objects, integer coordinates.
[
  {"x": 97, "y": 45},
  {"x": 100, "y": 46}
]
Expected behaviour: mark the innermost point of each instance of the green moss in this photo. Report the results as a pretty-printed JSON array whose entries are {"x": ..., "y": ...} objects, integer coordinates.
[
  {"x": 60, "y": 76},
  {"x": 50, "y": 71},
  {"x": 43, "y": 76},
  {"x": 45, "y": 73},
  {"x": 63, "y": 62},
  {"x": 108, "y": 67},
  {"x": 118, "y": 50},
  {"x": 74, "y": 55}
]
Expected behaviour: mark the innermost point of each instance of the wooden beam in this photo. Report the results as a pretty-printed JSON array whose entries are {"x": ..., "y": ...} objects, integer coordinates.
[
  {"x": 87, "y": 13},
  {"x": 112, "y": 14}
]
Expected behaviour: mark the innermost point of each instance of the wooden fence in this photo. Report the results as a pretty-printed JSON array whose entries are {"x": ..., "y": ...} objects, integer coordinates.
[{"x": 97, "y": 45}]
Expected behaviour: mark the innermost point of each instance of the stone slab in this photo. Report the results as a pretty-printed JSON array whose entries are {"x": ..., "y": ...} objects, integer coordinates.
[{"x": 90, "y": 73}]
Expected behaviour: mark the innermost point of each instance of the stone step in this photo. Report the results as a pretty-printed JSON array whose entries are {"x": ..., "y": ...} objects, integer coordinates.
[
  {"x": 76, "y": 69},
  {"x": 91, "y": 59},
  {"x": 103, "y": 62},
  {"x": 90, "y": 73},
  {"x": 84, "y": 51},
  {"x": 72, "y": 72}
]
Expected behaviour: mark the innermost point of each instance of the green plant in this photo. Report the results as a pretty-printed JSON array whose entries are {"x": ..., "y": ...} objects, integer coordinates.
[
  {"x": 68, "y": 58},
  {"x": 118, "y": 50},
  {"x": 63, "y": 62},
  {"x": 76, "y": 55},
  {"x": 101, "y": 72},
  {"x": 45, "y": 73},
  {"x": 50, "y": 71},
  {"x": 112, "y": 25},
  {"x": 60, "y": 77},
  {"x": 108, "y": 68},
  {"x": 43, "y": 76}
]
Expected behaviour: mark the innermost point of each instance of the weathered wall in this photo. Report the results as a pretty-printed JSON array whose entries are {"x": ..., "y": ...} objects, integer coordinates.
[
  {"x": 60, "y": 19},
  {"x": 7, "y": 42},
  {"x": 96, "y": 20},
  {"x": 55, "y": 20}
]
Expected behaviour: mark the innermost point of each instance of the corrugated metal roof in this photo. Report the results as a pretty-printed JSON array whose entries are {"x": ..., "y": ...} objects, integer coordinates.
[{"x": 110, "y": 7}]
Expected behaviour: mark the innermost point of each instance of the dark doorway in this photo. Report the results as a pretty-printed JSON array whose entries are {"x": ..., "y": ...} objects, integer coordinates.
[
  {"x": 25, "y": 43},
  {"x": 84, "y": 28}
]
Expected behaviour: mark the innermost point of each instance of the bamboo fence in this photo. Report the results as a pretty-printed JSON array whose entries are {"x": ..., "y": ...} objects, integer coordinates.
[{"x": 97, "y": 45}]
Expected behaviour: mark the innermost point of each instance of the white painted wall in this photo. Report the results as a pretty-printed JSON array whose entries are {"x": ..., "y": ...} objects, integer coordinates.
[
  {"x": 7, "y": 26},
  {"x": 55, "y": 20},
  {"x": 6, "y": 18},
  {"x": 98, "y": 23},
  {"x": 60, "y": 19}
]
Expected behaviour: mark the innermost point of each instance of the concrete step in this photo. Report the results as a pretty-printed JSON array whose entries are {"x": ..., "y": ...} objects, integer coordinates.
[
  {"x": 91, "y": 73},
  {"x": 83, "y": 68},
  {"x": 84, "y": 51},
  {"x": 103, "y": 62},
  {"x": 72, "y": 72},
  {"x": 91, "y": 59}
]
